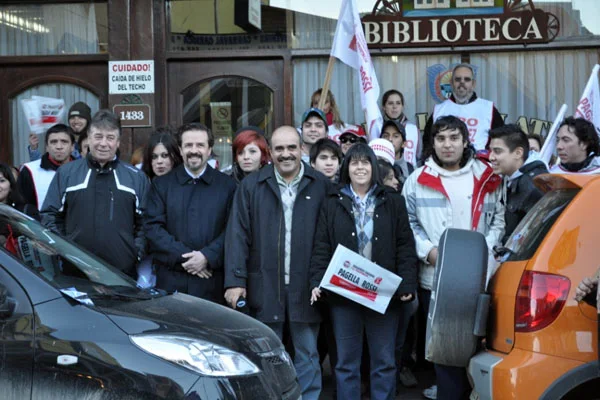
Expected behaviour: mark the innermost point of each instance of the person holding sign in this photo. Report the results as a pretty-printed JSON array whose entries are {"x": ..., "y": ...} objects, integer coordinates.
[{"x": 372, "y": 221}]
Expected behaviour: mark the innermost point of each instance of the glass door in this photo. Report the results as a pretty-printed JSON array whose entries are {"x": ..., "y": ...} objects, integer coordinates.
[
  {"x": 226, "y": 96},
  {"x": 225, "y": 105}
]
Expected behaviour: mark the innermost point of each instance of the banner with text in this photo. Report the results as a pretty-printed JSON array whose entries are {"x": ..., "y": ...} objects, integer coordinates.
[{"x": 354, "y": 277}]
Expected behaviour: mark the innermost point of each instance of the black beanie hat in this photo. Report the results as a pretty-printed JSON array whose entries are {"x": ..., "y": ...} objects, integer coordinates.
[{"x": 80, "y": 109}]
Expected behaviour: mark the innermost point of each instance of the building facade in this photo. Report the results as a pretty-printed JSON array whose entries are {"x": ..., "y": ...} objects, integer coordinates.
[{"x": 208, "y": 69}]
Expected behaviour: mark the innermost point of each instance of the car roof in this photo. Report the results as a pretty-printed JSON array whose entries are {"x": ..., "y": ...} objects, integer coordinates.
[{"x": 548, "y": 182}]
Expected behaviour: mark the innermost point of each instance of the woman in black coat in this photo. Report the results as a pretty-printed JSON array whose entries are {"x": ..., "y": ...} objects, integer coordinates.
[{"x": 372, "y": 221}]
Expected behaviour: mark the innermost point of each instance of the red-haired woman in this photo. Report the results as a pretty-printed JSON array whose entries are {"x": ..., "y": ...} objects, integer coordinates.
[{"x": 250, "y": 152}]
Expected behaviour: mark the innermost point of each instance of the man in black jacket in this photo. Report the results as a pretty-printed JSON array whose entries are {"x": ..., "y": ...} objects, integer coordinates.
[
  {"x": 186, "y": 218},
  {"x": 268, "y": 248},
  {"x": 479, "y": 114},
  {"x": 510, "y": 157},
  {"x": 98, "y": 201}
]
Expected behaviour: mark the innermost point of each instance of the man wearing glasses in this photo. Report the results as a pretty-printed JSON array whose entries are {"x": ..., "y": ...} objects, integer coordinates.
[{"x": 479, "y": 114}]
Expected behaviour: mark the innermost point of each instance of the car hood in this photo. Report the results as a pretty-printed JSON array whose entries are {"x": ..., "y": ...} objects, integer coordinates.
[{"x": 188, "y": 316}]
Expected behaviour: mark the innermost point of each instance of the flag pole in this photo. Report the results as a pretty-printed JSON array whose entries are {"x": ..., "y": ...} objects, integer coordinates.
[{"x": 325, "y": 89}]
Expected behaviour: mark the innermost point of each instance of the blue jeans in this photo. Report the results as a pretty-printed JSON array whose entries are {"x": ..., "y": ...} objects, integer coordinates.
[
  {"x": 350, "y": 322},
  {"x": 306, "y": 356}
]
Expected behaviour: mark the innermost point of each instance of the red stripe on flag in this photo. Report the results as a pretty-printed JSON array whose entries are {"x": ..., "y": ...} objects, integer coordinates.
[
  {"x": 337, "y": 281},
  {"x": 49, "y": 119}
]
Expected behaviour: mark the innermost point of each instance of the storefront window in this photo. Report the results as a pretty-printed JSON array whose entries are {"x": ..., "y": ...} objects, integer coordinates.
[
  {"x": 51, "y": 29},
  {"x": 530, "y": 87},
  {"x": 407, "y": 74},
  {"x": 226, "y": 105},
  {"x": 213, "y": 27}
]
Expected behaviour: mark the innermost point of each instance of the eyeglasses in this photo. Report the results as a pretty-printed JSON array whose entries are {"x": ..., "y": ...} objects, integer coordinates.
[
  {"x": 461, "y": 78},
  {"x": 349, "y": 138}
]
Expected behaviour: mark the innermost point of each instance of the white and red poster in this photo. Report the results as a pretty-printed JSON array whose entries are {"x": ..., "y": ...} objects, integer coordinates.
[
  {"x": 350, "y": 47},
  {"x": 360, "y": 280},
  {"x": 43, "y": 112}
]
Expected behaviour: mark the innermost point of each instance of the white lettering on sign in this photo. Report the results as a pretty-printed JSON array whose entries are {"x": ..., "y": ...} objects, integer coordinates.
[{"x": 133, "y": 76}]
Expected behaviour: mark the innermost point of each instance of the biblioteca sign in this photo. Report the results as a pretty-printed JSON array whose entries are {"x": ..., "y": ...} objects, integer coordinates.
[{"x": 417, "y": 23}]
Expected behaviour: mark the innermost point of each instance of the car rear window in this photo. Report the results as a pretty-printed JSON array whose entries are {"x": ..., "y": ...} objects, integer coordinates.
[{"x": 532, "y": 229}]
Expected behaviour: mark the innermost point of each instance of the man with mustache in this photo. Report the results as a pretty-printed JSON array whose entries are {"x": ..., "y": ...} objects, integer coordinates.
[
  {"x": 479, "y": 114},
  {"x": 268, "y": 247},
  {"x": 186, "y": 218}
]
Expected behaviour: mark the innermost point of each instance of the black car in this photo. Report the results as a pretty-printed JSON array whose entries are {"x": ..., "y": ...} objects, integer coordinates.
[{"x": 73, "y": 327}]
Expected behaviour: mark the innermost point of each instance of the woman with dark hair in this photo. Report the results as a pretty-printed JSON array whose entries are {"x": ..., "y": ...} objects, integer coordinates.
[
  {"x": 371, "y": 220},
  {"x": 250, "y": 151},
  {"x": 9, "y": 193},
  {"x": 388, "y": 175},
  {"x": 392, "y": 104},
  {"x": 161, "y": 154}
]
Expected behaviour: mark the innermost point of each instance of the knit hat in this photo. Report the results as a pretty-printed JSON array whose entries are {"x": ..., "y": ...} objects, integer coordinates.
[
  {"x": 80, "y": 109},
  {"x": 317, "y": 113},
  {"x": 396, "y": 125},
  {"x": 383, "y": 149}
]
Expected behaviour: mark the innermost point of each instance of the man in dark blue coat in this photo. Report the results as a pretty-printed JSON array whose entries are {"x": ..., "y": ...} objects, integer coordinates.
[
  {"x": 268, "y": 248},
  {"x": 186, "y": 219}
]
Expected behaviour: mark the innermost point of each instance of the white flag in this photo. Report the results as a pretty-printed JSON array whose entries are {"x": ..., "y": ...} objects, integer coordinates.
[
  {"x": 550, "y": 142},
  {"x": 350, "y": 47},
  {"x": 589, "y": 104}
]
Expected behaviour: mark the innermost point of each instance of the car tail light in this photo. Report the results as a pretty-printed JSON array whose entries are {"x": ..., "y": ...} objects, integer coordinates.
[{"x": 540, "y": 299}]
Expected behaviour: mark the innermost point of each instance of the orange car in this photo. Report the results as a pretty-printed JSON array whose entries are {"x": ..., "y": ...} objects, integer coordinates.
[{"x": 541, "y": 343}]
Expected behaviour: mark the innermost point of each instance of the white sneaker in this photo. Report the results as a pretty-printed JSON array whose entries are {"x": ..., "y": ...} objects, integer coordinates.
[{"x": 430, "y": 393}]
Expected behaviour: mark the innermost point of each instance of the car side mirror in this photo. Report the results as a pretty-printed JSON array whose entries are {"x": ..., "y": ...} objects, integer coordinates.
[{"x": 7, "y": 304}]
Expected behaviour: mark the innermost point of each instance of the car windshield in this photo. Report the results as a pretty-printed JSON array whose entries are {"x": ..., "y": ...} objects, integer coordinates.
[
  {"x": 532, "y": 229},
  {"x": 76, "y": 272}
]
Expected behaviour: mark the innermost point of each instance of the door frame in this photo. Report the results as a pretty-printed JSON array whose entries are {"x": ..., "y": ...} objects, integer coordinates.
[{"x": 272, "y": 70}]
